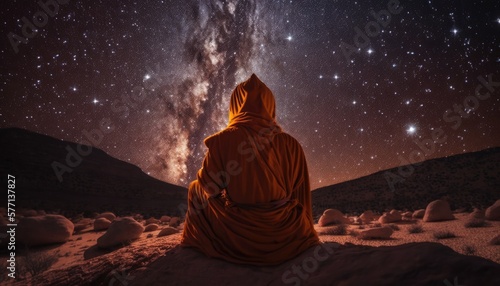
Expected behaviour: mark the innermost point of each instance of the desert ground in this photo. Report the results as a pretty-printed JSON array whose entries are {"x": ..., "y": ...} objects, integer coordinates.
[{"x": 152, "y": 259}]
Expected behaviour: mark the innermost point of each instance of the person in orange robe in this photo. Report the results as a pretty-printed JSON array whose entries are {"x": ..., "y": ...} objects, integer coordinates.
[{"x": 251, "y": 202}]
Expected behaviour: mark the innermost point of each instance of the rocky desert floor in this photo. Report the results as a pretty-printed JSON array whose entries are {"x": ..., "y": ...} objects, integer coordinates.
[{"x": 81, "y": 260}]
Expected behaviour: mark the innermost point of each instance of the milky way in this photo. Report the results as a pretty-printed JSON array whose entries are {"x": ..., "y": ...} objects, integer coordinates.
[
  {"x": 360, "y": 84},
  {"x": 220, "y": 44}
]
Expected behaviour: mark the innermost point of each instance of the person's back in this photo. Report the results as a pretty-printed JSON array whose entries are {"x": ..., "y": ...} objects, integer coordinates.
[{"x": 251, "y": 202}]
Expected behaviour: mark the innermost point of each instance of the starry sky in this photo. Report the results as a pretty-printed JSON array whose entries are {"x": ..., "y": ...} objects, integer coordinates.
[{"x": 360, "y": 84}]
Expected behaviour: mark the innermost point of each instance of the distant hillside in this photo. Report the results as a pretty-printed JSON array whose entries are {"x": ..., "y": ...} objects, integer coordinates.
[
  {"x": 99, "y": 182},
  {"x": 468, "y": 180}
]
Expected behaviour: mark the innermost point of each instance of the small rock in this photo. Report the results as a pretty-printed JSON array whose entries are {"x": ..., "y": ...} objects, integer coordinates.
[
  {"x": 408, "y": 214},
  {"x": 493, "y": 212},
  {"x": 101, "y": 223},
  {"x": 79, "y": 227},
  {"x": 108, "y": 215},
  {"x": 165, "y": 218},
  {"x": 367, "y": 216},
  {"x": 167, "y": 231},
  {"x": 332, "y": 216},
  {"x": 390, "y": 217},
  {"x": 376, "y": 233},
  {"x": 174, "y": 222},
  {"x": 438, "y": 210},
  {"x": 121, "y": 231},
  {"x": 151, "y": 227},
  {"x": 419, "y": 213},
  {"x": 151, "y": 220},
  {"x": 477, "y": 213}
]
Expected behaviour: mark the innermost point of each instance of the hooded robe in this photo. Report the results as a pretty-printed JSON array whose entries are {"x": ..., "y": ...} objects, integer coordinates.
[{"x": 251, "y": 202}]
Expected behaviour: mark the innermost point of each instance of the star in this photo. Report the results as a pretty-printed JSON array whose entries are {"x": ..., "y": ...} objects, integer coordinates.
[
  {"x": 455, "y": 31},
  {"x": 411, "y": 130},
  {"x": 289, "y": 38},
  {"x": 95, "y": 101},
  {"x": 370, "y": 51}
]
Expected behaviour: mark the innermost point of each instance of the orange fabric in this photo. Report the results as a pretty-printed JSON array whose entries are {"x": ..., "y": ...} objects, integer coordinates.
[{"x": 251, "y": 202}]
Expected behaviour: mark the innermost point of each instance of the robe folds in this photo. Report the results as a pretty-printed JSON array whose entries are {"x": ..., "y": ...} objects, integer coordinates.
[{"x": 251, "y": 202}]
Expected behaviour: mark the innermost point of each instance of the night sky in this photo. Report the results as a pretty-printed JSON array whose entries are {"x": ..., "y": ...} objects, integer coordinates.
[{"x": 358, "y": 95}]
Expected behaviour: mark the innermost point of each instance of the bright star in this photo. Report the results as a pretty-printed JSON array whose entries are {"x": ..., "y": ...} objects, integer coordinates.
[
  {"x": 354, "y": 102},
  {"x": 370, "y": 51},
  {"x": 455, "y": 31},
  {"x": 146, "y": 77},
  {"x": 411, "y": 129},
  {"x": 74, "y": 89},
  {"x": 289, "y": 38},
  {"x": 498, "y": 20},
  {"x": 336, "y": 77},
  {"x": 95, "y": 101}
]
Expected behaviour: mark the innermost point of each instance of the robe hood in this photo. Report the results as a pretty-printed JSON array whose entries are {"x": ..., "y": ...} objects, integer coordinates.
[{"x": 252, "y": 104}]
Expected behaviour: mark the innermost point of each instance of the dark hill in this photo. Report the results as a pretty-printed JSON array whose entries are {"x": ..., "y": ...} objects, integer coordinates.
[
  {"x": 99, "y": 182},
  {"x": 467, "y": 180}
]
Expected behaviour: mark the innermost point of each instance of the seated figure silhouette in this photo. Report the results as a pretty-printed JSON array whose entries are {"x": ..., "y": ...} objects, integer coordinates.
[{"x": 251, "y": 202}]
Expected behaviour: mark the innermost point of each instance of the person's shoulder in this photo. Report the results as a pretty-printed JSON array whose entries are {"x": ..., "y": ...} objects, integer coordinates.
[
  {"x": 222, "y": 135},
  {"x": 288, "y": 139}
]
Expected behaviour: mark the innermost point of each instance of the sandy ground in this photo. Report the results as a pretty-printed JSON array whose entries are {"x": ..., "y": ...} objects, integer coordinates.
[
  {"x": 81, "y": 248},
  {"x": 476, "y": 237}
]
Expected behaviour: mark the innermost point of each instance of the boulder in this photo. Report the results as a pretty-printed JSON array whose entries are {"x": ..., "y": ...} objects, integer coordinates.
[
  {"x": 332, "y": 216},
  {"x": 151, "y": 227},
  {"x": 493, "y": 212},
  {"x": 121, "y": 231},
  {"x": 43, "y": 230},
  {"x": 167, "y": 231},
  {"x": 376, "y": 233},
  {"x": 101, "y": 223},
  {"x": 438, "y": 210},
  {"x": 174, "y": 222},
  {"x": 418, "y": 213},
  {"x": 108, "y": 215},
  {"x": 367, "y": 216}
]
